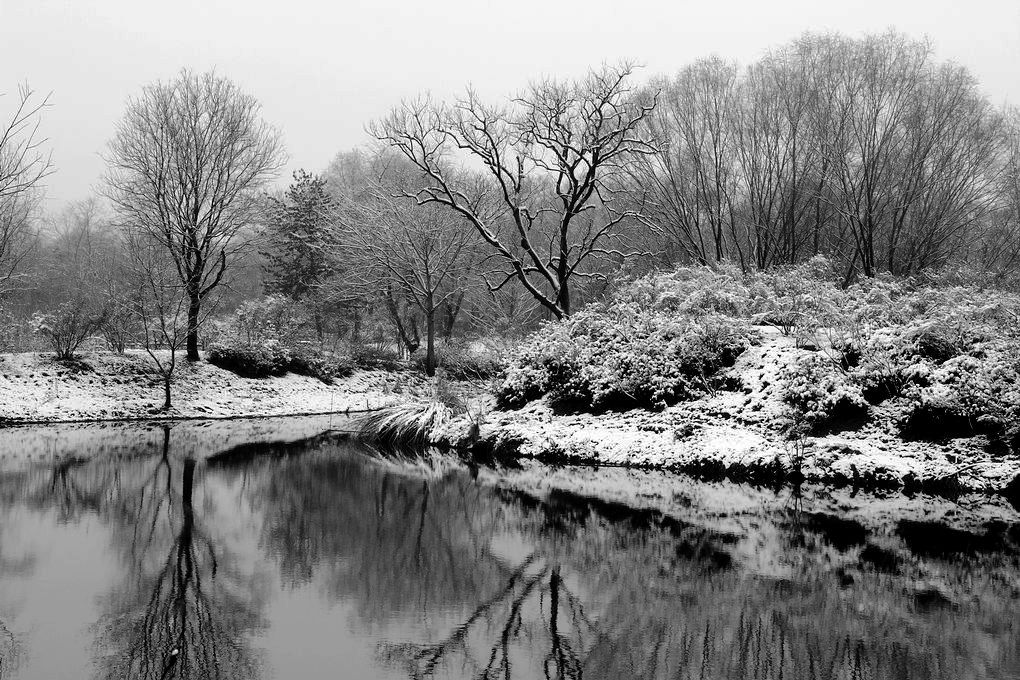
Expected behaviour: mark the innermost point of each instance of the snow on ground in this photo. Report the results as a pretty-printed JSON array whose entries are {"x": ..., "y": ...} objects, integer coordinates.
[
  {"x": 102, "y": 386},
  {"x": 739, "y": 432}
]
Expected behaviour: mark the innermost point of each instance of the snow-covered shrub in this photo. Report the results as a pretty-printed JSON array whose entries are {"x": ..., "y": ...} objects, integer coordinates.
[
  {"x": 622, "y": 357},
  {"x": 966, "y": 395},
  {"x": 377, "y": 357},
  {"x": 70, "y": 325},
  {"x": 466, "y": 361},
  {"x": 263, "y": 322},
  {"x": 821, "y": 394},
  {"x": 695, "y": 291},
  {"x": 263, "y": 361},
  {"x": 273, "y": 359},
  {"x": 798, "y": 300}
]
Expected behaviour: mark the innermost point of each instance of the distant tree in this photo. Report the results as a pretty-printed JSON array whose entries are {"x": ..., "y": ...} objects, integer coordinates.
[
  {"x": 547, "y": 203},
  {"x": 420, "y": 254},
  {"x": 690, "y": 181},
  {"x": 23, "y": 166},
  {"x": 75, "y": 277},
  {"x": 295, "y": 244},
  {"x": 186, "y": 165}
]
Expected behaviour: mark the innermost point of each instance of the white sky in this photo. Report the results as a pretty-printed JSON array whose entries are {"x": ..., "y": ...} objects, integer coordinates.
[{"x": 323, "y": 69}]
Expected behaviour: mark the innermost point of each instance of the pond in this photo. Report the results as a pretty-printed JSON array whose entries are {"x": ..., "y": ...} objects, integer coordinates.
[{"x": 326, "y": 560}]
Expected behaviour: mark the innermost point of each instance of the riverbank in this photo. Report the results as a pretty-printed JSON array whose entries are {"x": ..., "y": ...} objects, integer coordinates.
[
  {"x": 736, "y": 432},
  {"x": 739, "y": 431},
  {"x": 107, "y": 386}
]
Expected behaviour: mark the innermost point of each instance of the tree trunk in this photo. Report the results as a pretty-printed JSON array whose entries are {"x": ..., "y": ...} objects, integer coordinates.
[
  {"x": 452, "y": 311},
  {"x": 166, "y": 392},
  {"x": 194, "y": 308},
  {"x": 317, "y": 320},
  {"x": 563, "y": 298},
  {"x": 430, "y": 340}
]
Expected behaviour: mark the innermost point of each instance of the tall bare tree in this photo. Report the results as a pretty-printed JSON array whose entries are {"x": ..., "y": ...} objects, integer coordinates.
[
  {"x": 691, "y": 180},
  {"x": 23, "y": 165},
  {"x": 186, "y": 165},
  {"x": 547, "y": 203}
]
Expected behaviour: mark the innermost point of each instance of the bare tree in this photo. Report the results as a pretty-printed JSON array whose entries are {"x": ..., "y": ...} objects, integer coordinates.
[
  {"x": 73, "y": 276},
  {"x": 186, "y": 165},
  {"x": 691, "y": 180},
  {"x": 420, "y": 250},
  {"x": 18, "y": 238},
  {"x": 23, "y": 165},
  {"x": 547, "y": 203},
  {"x": 161, "y": 305}
]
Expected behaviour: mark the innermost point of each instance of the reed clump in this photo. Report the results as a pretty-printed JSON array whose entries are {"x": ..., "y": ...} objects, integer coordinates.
[{"x": 404, "y": 425}]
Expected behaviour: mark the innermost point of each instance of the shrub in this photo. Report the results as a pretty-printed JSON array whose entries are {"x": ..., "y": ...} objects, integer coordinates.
[
  {"x": 67, "y": 327},
  {"x": 694, "y": 291},
  {"x": 798, "y": 300},
  {"x": 462, "y": 361},
  {"x": 249, "y": 362},
  {"x": 325, "y": 367},
  {"x": 622, "y": 357},
  {"x": 271, "y": 319},
  {"x": 378, "y": 358},
  {"x": 821, "y": 394},
  {"x": 967, "y": 395},
  {"x": 272, "y": 360}
]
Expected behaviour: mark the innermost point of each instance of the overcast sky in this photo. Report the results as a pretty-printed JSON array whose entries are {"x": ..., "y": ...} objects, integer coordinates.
[{"x": 323, "y": 69}]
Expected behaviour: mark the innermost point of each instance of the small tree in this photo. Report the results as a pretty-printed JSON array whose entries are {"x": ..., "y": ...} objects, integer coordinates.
[
  {"x": 160, "y": 304},
  {"x": 417, "y": 253},
  {"x": 78, "y": 266},
  {"x": 70, "y": 325}
]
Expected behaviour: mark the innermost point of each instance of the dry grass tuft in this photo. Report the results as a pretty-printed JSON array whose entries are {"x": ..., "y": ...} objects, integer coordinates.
[{"x": 404, "y": 425}]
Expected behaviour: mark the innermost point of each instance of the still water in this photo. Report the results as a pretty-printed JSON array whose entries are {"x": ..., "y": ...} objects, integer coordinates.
[{"x": 324, "y": 561}]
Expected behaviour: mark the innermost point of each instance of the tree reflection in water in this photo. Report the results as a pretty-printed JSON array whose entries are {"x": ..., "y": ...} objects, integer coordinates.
[
  {"x": 405, "y": 545},
  {"x": 593, "y": 590},
  {"x": 447, "y": 577},
  {"x": 183, "y": 610}
]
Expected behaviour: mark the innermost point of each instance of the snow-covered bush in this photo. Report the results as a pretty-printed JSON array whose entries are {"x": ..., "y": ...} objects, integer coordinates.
[
  {"x": 798, "y": 299},
  {"x": 466, "y": 361},
  {"x": 273, "y": 359},
  {"x": 69, "y": 326},
  {"x": 274, "y": 319},
  {"x": 264, "y": 361},
  {"x": 821, "y": 394},
  {"x": 622, "y": 356},
  {"x": 695, "y": 291},
  {"x": 966, "y": 395},
  {"x": 263, "y": 338}
]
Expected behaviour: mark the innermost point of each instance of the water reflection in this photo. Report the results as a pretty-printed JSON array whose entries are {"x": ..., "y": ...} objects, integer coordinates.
[{"x": 328, "y": 561}]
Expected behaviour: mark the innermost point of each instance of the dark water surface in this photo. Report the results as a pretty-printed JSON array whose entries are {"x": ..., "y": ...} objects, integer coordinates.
[{"x": 330, "y": 563}]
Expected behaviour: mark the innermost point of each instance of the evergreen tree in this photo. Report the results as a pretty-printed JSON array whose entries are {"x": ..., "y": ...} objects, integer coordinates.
[{"x": 296, "y": 264}]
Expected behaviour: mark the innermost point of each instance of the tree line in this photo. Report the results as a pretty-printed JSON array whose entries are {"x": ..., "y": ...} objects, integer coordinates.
[{"x": 487, "y": 216}]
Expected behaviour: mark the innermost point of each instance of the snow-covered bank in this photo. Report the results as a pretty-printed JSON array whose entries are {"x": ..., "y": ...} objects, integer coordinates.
[
  {"x": 34, "y": 388},
  {"x": 739, "y": 433}
]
